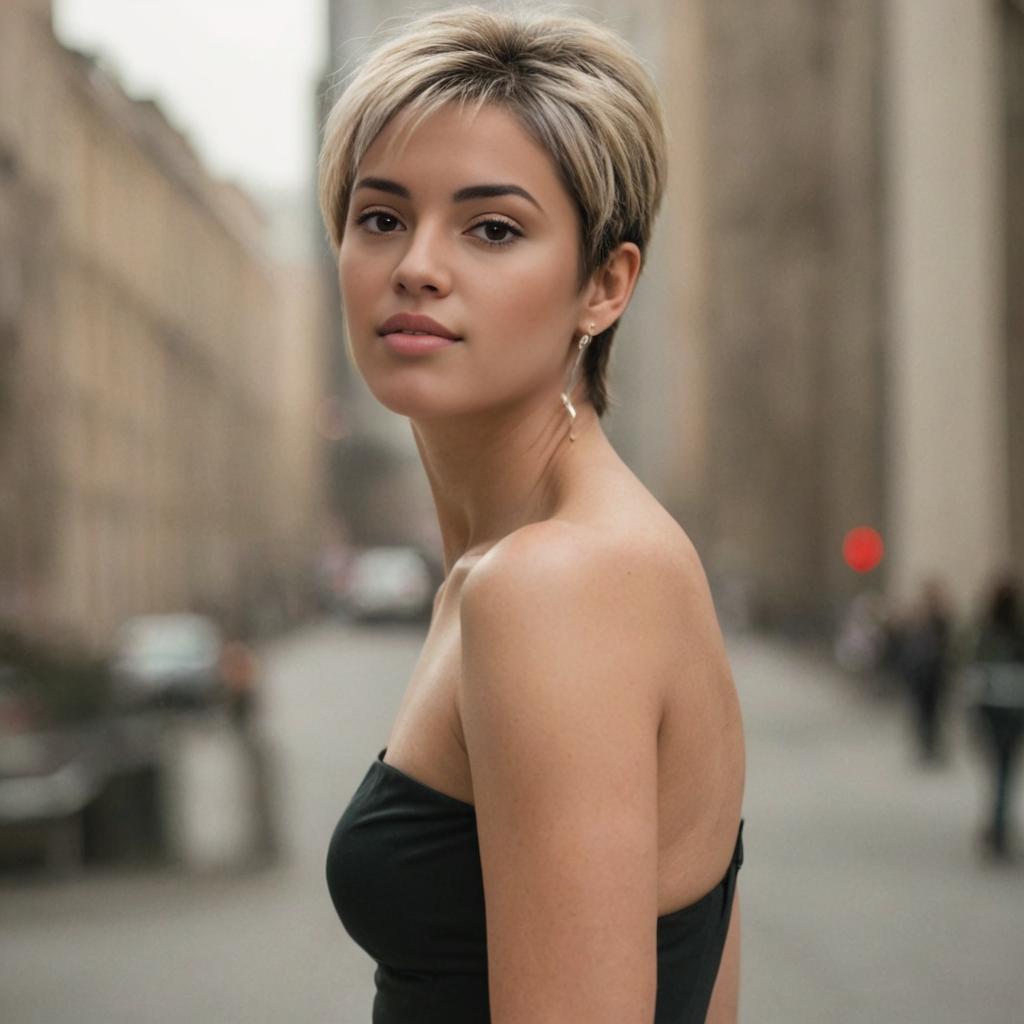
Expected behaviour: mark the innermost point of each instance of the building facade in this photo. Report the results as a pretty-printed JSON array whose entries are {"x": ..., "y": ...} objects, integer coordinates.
[
  {"x": 776, "y": 221},
  {"x": 149, "y": 381},
  {"x": 952, "y": 338}
]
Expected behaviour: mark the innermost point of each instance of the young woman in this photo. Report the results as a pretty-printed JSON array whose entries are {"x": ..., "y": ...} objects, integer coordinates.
[{"x": 555, "y": 834}]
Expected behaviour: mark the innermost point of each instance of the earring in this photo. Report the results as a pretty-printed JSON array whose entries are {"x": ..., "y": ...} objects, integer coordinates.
[{"x": 573, "y": 378}]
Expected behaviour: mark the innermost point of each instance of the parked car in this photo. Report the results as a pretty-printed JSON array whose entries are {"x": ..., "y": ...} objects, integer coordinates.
[
  {"x": 49, "y": 774},
  {"x": 389, "y": 583},
  {"x": 169, "y": 660}
]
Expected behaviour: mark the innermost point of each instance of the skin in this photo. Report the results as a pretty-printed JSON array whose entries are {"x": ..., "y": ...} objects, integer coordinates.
[{"x": 564, "y": 578}]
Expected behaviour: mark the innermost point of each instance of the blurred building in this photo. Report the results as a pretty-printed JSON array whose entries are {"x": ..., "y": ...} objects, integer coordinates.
[
  {"x": 157, "y": 397},
  {"x": 851, "y": 201},
  {"x": 1011, "y": 174},
  {"x": 773, "y": 236},
  {"x": 955, "y": 175},
  {"x": 846, "y": 215},
  {"x": 830, "y": 331}
]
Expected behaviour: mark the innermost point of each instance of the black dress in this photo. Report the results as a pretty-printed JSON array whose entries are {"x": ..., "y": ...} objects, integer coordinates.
[{"x": 403, "y": 870}]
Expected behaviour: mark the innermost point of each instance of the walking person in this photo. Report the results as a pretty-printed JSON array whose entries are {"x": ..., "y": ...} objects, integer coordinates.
[
  {"x": 556, "y": 832},
  {"x": 925, "y": 658},
  {"x": 999, "y": 707}
]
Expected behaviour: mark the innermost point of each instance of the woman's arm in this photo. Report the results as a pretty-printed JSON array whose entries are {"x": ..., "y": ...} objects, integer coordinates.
[
  {"x": 725, "y": 998},
  {"x": 562, "y": 649}
]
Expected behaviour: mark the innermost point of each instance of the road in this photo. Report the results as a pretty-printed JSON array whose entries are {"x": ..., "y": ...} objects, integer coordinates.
[{"x": 863, "y": 896}]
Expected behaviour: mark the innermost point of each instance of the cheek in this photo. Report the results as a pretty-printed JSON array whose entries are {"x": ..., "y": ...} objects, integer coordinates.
[
  {"x": 352, "y": 278},
  {"x": 360, "y": 291},
  {"x": 542, "y": 301},
  {"x": 530, "y": 302}
]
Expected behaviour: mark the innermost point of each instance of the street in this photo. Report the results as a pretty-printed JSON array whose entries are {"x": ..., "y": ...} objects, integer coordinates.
[{"x": 863, "y": 897}]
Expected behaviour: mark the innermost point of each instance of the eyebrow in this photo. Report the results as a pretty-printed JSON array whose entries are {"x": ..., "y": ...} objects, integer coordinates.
[{"x": 470, "y": 192}]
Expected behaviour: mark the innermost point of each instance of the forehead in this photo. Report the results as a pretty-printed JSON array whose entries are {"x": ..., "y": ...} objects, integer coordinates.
[{"x": 457, "y": 147}]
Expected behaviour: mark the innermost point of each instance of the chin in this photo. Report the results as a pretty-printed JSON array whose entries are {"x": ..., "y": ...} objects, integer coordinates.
[
  {"x": 414, "y": 395},
  {"x": 409, "y": 387},
  {"x": 425, "y": 390}
]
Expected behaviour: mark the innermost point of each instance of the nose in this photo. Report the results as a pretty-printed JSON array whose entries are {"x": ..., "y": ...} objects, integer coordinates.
[{"x": 423, "y": 266}]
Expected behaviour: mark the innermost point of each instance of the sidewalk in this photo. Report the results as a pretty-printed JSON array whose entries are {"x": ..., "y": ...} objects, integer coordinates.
[{"x": 863, "y": 895}]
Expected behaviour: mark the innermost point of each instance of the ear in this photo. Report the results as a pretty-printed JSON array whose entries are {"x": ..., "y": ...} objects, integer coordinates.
[{"x": 611, "y": 287}]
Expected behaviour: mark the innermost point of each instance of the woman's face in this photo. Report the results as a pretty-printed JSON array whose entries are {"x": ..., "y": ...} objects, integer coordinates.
[{"x": 468, "y": 224}]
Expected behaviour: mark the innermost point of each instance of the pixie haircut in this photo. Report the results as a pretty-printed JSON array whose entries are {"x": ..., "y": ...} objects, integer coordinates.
[{"x": 575, "y": 86}]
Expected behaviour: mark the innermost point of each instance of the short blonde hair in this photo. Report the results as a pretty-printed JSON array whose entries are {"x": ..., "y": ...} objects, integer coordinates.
[{"x": 575, "y": 86}]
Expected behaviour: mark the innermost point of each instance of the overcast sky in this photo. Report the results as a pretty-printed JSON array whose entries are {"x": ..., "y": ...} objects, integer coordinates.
[{"x": 237, "y": 76}]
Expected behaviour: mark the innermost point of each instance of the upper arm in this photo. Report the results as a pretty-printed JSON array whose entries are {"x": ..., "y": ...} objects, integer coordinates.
[
  {"x": 560, "y": 715},
  {"x": 725, "y": 996}
]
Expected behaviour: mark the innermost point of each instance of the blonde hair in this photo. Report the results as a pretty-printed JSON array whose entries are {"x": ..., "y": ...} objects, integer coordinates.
[{"x": 575, "y": 86}]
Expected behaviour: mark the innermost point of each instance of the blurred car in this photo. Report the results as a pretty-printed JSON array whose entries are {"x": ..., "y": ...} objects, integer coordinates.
[
  {"x": 171, "y": 660},
  {"x": 389, "y": 583},
  {"x": 49, "y": 774}
]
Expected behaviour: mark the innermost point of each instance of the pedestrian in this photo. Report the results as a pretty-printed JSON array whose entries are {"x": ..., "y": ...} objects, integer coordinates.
[
  {"x": 861, "y": 641},
  {"x": 569, "y": 753},
  {"x": 238, "y": 673},
  {"x": 925, "y": 659},
  {"x": 999, "y": 705}
]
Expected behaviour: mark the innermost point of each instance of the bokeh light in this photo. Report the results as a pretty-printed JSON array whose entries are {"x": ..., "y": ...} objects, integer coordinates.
[{"x": 863, "y": 549}]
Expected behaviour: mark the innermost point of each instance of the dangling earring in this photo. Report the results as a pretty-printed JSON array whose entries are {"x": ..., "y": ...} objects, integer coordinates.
[{"x": 573, "y": 378}]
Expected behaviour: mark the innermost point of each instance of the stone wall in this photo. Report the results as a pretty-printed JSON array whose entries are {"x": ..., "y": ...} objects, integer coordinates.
[
  {"x": 1012, "y": 36},
  {"x": 794, "y": 437}
]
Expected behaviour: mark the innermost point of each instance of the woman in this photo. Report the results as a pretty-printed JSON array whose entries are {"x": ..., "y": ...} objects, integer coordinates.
[{"x": 569, "y": 754}]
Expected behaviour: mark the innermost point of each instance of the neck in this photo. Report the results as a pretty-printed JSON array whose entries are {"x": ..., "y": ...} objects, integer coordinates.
[{"x": 490, "y": 475}]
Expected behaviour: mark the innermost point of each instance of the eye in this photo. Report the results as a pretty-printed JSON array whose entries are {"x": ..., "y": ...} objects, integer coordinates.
[
  {"x": 497, "y": 232},
  {"x": 386, "y": 228}
]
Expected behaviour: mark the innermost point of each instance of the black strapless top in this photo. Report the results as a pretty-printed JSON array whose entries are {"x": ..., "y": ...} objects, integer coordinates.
[{"x": 403, "y": 871}]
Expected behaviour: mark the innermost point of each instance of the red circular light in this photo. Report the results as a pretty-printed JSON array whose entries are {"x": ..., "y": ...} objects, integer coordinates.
[{"x": 863, "y": 549}]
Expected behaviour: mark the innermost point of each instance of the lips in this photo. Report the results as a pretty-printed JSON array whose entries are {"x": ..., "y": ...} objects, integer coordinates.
[{"x": 415, "y": 322}]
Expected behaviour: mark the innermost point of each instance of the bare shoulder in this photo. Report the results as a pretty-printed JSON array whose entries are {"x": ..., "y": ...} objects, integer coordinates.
[
  {"x": 557, "y": 558},
  {"x": 644, "y": 584},
  {"x": 559, "y": 607}
]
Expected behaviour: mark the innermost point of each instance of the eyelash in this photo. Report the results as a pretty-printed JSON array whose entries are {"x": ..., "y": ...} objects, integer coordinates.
[{"x": 515, "y": 232}]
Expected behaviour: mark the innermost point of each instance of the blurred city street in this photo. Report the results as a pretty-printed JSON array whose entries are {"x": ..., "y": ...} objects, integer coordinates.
[
  {"x": 209, "y": 484},
  {"x": 863, "y": 898}
]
